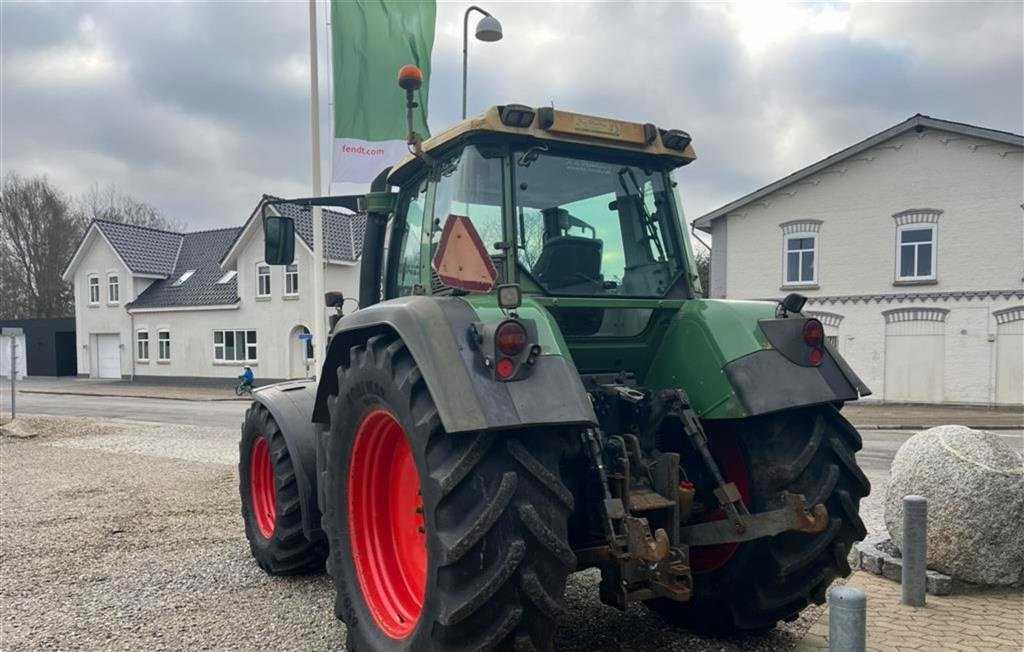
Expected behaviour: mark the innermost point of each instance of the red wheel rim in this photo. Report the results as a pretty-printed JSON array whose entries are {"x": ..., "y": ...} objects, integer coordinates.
[
  {"x": 725, "y": 449},
  {"x": 386, "y": 526},
  {"x": 261, "y": 486}
]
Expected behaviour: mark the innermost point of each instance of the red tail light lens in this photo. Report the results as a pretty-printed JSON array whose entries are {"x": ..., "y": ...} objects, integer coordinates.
[
  {"x": 510, "y": 338},
  {"x": 814, "y": 357},
  {"x": 505, "y": 368},
  {"x": 814, "y": 333}
]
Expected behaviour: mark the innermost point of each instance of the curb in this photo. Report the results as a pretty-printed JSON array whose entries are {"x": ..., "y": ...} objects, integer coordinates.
[
  {"x": 926, "y": 427},
  {"x": 151, "y": 396}
]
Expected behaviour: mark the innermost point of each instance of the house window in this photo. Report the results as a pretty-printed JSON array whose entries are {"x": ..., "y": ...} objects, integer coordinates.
[
  {"x": 113, "y": 289},
  {"x": 94, "y": 289},
  {"x": 142, "y": 346},
  {"x": 234, "y": 346},
  {"x": 262, "y": 280},
  {"x": 163, "y": 342},
  {"x": 291, "y": 280},
  {"x": 915, "y": 252},
  {"x": 800, "y": 250}
]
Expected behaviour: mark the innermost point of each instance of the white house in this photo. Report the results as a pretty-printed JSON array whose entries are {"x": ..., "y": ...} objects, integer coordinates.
[
  {"x": 910, "y": 248},
  {"x": 204, "y": 304}
]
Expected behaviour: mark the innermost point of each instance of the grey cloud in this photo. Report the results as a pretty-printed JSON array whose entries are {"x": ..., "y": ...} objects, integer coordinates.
[{"x": 208, "y": 104}]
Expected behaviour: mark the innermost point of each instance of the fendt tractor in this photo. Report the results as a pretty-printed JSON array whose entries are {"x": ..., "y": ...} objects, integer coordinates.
[{"x": 533, "y": 386}]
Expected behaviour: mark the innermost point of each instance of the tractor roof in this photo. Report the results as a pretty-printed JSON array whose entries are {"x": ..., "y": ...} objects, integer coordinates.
[{"x": 561, "y": 126}]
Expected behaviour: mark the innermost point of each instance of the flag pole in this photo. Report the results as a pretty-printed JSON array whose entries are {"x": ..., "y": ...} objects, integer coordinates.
[{"x": 319, "y": 312}]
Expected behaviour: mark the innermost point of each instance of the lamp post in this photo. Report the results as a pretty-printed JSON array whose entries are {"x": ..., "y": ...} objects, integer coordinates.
[{"x": 488, "y": 30}]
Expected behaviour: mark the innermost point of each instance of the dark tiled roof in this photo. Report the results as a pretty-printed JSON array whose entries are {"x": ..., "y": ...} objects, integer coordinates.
[
  {"x": 144, "y": 250},
  {"x": 343, "y": 232},
  {"x": 200, "y": 251}
]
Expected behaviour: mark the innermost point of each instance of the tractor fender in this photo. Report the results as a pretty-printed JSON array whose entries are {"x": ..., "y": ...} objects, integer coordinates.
[
  {"x": 291, "y": 405},
  {"x": 436, "y": 332}
]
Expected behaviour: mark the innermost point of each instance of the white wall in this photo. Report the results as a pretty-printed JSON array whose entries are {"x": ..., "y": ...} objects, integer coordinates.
[
  {"x": 274, "y": 319},
  {"x": 99, "y": 258},
  {"x": 980, "y": 233},
  {"x": 978, "y": 186}
]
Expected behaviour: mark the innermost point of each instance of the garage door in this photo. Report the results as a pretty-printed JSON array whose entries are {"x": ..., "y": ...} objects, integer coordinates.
[
  {"x": 108, "y": 356},
  {"x": 915, "y": 345},
  {"x": 1010, "y": 360}
]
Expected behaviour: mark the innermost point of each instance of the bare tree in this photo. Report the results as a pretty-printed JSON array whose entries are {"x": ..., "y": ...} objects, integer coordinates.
[
  {"x": 109, "y": 203},
  {"x": 39, "y": 230}
]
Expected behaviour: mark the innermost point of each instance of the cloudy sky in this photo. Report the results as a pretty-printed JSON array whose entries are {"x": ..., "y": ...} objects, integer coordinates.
[{"x": 198, "y": 108}]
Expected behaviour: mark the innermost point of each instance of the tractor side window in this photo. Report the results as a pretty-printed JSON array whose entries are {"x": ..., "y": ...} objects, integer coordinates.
[
  {"x": 409, "y": 240},
  {"x": 470, "y": 185}
]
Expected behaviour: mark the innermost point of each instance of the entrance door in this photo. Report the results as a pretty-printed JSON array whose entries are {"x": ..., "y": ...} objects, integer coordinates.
[
  {"x": 108, "y": 356},
  {"x": 300, "y": 353},
  {"x": 67, "y": 360}
]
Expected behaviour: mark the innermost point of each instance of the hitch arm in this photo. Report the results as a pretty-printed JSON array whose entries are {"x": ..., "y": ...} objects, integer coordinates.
[{"x": 793, "y": 516}]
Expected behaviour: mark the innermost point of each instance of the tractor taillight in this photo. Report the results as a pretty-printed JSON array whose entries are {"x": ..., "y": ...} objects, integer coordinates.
[
  {"x": 815, "y": 356},
  {"x": 814, "y": 333},
  {"x": 510, "y": 338},
  {"x": 505, "y": 368}
]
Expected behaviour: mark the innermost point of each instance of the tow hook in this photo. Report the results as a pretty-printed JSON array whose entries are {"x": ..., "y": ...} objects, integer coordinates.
[{"x": 794, "y": 516}]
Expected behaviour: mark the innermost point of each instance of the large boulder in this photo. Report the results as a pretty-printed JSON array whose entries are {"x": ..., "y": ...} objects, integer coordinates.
[{"x": 974, "y": 483}]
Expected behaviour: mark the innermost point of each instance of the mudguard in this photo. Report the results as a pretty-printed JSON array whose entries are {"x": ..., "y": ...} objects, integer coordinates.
[
  {"x": 291, "y": 405},
  {"x": 435, "y": 330},
  {"x": 737, "y": 359}
]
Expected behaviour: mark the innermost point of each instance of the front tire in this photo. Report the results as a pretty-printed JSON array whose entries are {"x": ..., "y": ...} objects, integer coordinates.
[
  {"x": 753, "y": 585},
  {"x": 474, "y": 548},
  {"x": 270, "y": 500}
]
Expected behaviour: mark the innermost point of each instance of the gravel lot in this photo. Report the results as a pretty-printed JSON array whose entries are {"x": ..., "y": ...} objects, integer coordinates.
[{"x": 127, "y": 535}]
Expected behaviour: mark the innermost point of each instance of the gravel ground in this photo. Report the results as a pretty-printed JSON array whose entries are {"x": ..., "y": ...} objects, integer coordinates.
[{"x": 127, "y": 535}]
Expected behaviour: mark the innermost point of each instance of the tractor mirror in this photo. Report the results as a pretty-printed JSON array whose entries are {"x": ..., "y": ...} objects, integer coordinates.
[{"x": 278, "y": 240}]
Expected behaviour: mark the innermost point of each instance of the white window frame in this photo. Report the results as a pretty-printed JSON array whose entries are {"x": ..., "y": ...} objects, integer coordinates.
[
  {"x": 142, "y": 342},
  {"x": 288, "y": 274},
  {"x": 934, "y": 242},
  {"x": 785, "y": 259},
  {"x": 93, "y": 284},
  {"x": 251, "y": 346},
  {"x": 160, "y": 340},
  {"x": 259, "y": 277},
  {"x": 113, "y": 288}
]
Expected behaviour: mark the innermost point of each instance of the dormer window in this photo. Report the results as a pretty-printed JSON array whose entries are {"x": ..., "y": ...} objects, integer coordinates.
[
  {"x": 228, "y": 277},
  {"x": 184, "y": 277}
]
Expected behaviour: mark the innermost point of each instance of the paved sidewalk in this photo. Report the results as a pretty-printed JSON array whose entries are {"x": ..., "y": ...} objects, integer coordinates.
[
  {"x": 975, "y": 619},
  {"x": 203, "y": 390},
  {"x": 911, "y": 416}
]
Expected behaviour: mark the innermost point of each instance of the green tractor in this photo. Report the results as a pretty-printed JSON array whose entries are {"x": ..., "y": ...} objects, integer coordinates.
[{"x": 533, "y": 386}]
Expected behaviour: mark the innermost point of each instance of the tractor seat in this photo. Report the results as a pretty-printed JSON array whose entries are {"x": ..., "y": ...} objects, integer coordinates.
[{"x": 569, "y": 260}]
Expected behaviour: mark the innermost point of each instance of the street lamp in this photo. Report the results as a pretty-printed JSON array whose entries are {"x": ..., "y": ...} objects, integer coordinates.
[{"x": 488, "y": 30}]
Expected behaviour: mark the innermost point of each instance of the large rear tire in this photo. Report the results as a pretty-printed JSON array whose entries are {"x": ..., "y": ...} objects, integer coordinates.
[
  {"x": 468, "y": 545},
  {"x": 270, "y": 500},
  {"x": 756, "y": 584}
]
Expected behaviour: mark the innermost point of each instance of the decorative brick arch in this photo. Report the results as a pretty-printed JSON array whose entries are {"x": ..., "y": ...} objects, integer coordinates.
[
  {"x": 829, "y": 319},
  {"x": 1007, "y": 315},
  {"x": 915, "y": 314},
  {"x": 917, "y": 216}
]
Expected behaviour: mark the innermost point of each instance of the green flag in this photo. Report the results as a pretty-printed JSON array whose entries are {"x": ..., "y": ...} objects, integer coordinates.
[{"x": 371, "y": 40}]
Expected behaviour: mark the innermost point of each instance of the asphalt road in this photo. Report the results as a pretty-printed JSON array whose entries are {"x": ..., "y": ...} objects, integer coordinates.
[{"x": 879, "y": 445}]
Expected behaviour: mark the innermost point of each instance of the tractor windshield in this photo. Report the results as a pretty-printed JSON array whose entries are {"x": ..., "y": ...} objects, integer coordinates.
[{"x": 590, "y": 227}]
